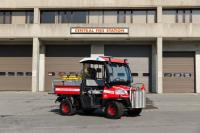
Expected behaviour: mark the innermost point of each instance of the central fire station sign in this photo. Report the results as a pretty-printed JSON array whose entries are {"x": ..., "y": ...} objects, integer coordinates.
[{"x": 99, "y": 30}]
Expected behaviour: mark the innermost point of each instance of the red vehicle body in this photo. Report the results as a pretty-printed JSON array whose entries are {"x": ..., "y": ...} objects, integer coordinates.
[{"x": 109, "y": 87}]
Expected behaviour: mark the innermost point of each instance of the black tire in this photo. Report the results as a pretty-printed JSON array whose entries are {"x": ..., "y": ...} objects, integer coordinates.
[
  {"x": 66, "y": 108},
  {"x": 134, "y": 112},
  {"x": 114, "y": 110},
  {"x": 89, "y": 111}
]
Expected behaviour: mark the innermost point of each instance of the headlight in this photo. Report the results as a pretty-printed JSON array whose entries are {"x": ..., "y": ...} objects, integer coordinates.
[{"x": 121, "y": 92}]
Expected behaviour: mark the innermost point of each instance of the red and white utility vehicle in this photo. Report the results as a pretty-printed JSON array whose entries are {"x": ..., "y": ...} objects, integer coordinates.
[{"x": 106, "y": 83}]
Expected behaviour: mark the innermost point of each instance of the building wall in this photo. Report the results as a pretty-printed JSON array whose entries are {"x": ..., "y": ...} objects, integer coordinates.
[
  {"x": 164, "y": 22},
  {"x": 97, "y": 3}
]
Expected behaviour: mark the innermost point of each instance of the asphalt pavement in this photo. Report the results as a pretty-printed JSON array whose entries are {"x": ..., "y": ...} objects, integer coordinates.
[{"x": 26, "y": 112}]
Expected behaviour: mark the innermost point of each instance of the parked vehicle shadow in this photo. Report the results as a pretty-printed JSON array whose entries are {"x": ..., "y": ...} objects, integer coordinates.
[
  {"x": 96, "y": 113},
  {"x": 150, "y": 104},
  {"x": 56, "y": 111},
  {"x": 100, "y": 113}
]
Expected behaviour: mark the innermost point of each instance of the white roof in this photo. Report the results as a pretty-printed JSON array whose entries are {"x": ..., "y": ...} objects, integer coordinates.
[{"x": 97, "y": 58}]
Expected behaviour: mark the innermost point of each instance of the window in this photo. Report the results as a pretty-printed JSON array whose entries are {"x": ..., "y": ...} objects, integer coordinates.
[
  {"x": 29, "y": 17},
  {"x": 187, "y": 75},
  {"x": 128, "y": 17},
  {"x": 95, "y": 17},
  {"x": 48, "y": 17},
  {"x": 195, "y": 16},
  {"x": 177, "y": 75},
  {"x": 110, "y": 17},
  {"x": 20, "y": 74},
  {"x": 169, "y": 16},
  {"x": 178, "y": 16},
  {"x": 1, "y": 17},
  {"x": 151, "y": 16},
  {"x": 167, "y": 74},
  {"x": 98, "y": 16},
  {"x": 64, "y": 17},
  {"x": 16, "y": 17},
  {"x": 188, "y": 16},
  {"x": 146, "y": 74},
  {"x": 11, "y": 73},
  {"x": 121, "y": 17},
  {"x": 7, "y": 19},
  {"x": 28, "y": 73},
  {"x": 2, "y": 73},
  {"x": 118, "y": 73},
  {"x": 184, "y": 16},
  {"x": 139, "y": 16},
  {"x": 79, "y": 17},
  {"x": 134, "y": 74}
]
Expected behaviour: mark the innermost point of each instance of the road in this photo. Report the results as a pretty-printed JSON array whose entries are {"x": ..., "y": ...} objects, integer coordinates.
[{"x": 26, "y": 112}]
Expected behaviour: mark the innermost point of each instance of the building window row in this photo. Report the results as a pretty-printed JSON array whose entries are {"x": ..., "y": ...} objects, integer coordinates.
[
  {"x": 64, "y": 17},
  {"x": 181, "y": 16},
  {"x": 16, "y": 17},
  {"x": 99, "y": 17}
]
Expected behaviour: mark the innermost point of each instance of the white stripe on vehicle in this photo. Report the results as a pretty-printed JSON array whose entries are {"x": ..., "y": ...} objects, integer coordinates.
[
  {"x": 67, "y": 89},
  {"x": 109, "y": 92}
]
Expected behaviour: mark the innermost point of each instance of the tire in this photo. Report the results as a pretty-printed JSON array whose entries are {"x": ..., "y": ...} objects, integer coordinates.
[
  {"x": 134, "y": 112},
  {"x": 66, "y": 108},
  {"x": 114, "y": 110}
]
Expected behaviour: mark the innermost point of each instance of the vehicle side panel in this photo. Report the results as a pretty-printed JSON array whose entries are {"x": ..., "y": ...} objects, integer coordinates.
[{"x": 67, "y": 90}]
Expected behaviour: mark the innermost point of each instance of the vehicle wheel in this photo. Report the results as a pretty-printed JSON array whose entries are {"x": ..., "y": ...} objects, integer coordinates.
[
  {"x": 134, "y": 112},
  {"x": 89, "y": 111},
  {"x": 66, "y": 108},
  {"x": 114, "y": 110}
]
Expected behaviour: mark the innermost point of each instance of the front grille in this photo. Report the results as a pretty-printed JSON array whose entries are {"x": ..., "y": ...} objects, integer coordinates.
[{"x": 137, "y": 99}]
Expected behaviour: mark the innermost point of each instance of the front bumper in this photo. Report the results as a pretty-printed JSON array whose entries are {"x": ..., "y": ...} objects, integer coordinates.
[{"x": 137, "y": 99}]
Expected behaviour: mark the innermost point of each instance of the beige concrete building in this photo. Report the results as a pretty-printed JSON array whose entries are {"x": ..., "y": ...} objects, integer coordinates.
[{"x": 39, "y": 39}]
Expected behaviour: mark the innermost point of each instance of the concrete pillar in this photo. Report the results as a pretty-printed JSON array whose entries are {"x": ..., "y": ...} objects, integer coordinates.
[
  {"x": 36, "y": 16},
  {"x": 97, "y": 50},
  {"x": 42, "y": 68},
  {"x": 197, "y": 66},
  {"x": 159, "y": 14},
  {"x": 35, "y": 65},
  {"x": 157, "y": 66},
  {"x": 153, "y": 68}
]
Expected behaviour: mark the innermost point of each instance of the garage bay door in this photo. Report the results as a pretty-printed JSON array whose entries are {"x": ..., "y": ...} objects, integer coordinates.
[
  {"x": 178, "y": 68},
  {"x": 63, "y": 59},
  {"x": 15, "y": 67},
  {"x": 139, "y": 58}
]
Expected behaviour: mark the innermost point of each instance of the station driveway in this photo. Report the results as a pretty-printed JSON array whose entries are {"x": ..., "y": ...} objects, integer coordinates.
[{"x": 26, "y": 112}]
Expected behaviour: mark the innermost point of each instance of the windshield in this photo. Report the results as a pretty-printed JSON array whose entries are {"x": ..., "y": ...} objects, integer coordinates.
[{"x": 119, "y": 73}]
